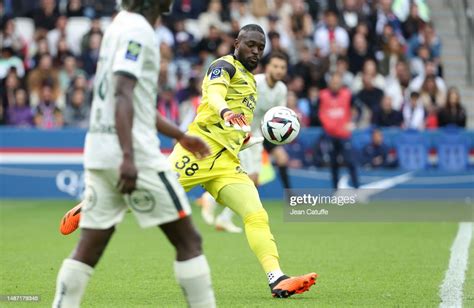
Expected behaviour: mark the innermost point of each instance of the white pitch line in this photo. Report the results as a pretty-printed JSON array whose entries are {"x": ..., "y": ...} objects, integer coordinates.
[{"x": 452, "y": 287}]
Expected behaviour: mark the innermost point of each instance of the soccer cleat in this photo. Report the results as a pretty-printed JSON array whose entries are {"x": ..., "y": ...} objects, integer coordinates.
[
  {"x": 227, "y": 225},
  {"x": 70, "y": 221},
  {"x": 286, "y": 286}
]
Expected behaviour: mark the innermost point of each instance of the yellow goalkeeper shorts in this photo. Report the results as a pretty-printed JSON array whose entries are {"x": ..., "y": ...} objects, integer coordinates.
[{"x": 219, "y": 169}]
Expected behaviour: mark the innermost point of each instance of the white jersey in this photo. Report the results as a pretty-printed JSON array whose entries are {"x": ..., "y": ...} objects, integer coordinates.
[
  {"x": 129, "y": 48},
  {"x": 267, "y": 98}
]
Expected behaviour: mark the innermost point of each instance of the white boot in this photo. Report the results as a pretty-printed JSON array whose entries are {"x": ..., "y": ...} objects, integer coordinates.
[{"x": 224, "y": 222}]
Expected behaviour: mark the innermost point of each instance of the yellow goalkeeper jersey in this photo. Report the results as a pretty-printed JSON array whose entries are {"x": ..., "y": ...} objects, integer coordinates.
[{"x": 241, "y": 98}]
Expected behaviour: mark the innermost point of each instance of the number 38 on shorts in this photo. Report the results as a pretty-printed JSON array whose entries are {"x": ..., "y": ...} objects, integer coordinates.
[{"x": 184, "y": 163}]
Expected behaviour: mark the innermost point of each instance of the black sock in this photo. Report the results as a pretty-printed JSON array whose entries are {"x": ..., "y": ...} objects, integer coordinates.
[{"x": 284, "y": 176}]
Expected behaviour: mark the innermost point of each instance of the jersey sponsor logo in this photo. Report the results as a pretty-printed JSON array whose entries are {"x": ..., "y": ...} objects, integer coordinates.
[
  {"x": 133, "y": 50},
  {"x": 216, "y": 73},
  {"x": 250, "y": 102}
]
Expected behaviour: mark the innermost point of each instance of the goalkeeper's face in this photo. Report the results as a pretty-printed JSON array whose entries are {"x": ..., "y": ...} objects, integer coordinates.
[{"x": 249, "y": 49}]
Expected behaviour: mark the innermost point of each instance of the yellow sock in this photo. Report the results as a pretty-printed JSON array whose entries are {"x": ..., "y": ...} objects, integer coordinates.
[{"x": 244, "y": 200}]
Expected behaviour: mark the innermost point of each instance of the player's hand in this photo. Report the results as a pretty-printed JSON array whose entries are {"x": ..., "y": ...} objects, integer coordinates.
[
  {"x": 195, "y": 145},
  {"x": 128, "y": 176},
  {"x": 237, "y": 120}
]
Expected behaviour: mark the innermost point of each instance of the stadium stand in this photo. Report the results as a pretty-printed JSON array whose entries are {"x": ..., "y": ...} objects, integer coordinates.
[{"x": 398, "y": 57}]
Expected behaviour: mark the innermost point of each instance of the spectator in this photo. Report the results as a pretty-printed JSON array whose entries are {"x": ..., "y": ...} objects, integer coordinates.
[
  {"x": 68, "y": 72},
  {"x": 41, "y": 74},
  {"x": 188, "y": 9},
  {"x": 391, "y": 56},
  {"x": 430, "y": 94},
  {"x": 453, "y": 113},
  {"x": 359, "y": 53},
  {"x": 9, "y": 37},
  {"x": 212, "y": 17},
  {"x": 75, "y": 8},
  {"x": 414, "y": 113},
  {"x": 163, "y": 34},
  {"x": 40, "y": 48},
  {"x": 313, "y": 101},
  {"x": 330, "y": 35},
  {"x": 430, "y": 70},
  {"x": 412, "y": 25},
  {"x": 7, "y": 91},
  {"x": 210, "y": 42},
  {"x": 427, "y": 36},
  {"x": 19, "y": 113},
  {"x": 90, "y": 57},
  {"x": 403, "y": 9},
  {"x": 184, "y": 41},
  {"x": 376, "y": 154},
  {"x": 77, "y": 110},
  {"x": 385, "y": 16},
  {"x": 386, "y": 116},
  {"x": 8, "y": 61},
  {"x": 47, "y": 114},
  {"x": 79, "y": 82},
  {"x": 342, "y": 68},
  {"x": 397, "y": 87},
  {"x": 56, "y": 34},
  {"x": 292, "y": 103},
  {"x": 309, "y": 69},
  {"x": 370, "y": 71},
  {"x": 95, "y": 28},
  {"x": 168, "y": 106},
  {"x": 63, "y": 52},
  {"x": 45, "y": 16},
  {"x": 417, "y": 63},
  {"x": 351, "y": 14},
  {"x": 369, "y": 96},
  {"x": 301, "y": 24},
  {"x": 335, "y": 115},
  {"x": 275, "y": 47}
]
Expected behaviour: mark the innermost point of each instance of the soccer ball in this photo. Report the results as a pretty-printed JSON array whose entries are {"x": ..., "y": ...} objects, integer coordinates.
[{"x": 280, "y": 125}]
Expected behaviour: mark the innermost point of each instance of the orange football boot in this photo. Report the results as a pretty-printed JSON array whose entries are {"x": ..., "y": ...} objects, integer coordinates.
[
  {"x": 70, "y": 221},
  {"x": 286, "y": 286}
]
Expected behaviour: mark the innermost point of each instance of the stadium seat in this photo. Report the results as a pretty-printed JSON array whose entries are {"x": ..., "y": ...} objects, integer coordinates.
[
  {"x": 25, "y": 27},
  {"x": 76, "y": 28},
  {"x": 412, "y": 150},
  {"x": 453, "y": 151}
]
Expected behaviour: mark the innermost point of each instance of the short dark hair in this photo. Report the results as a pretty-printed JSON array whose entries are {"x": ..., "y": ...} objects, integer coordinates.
[
  {"x": 278, "y": 55},
  {"x": 252, "y": 27}
]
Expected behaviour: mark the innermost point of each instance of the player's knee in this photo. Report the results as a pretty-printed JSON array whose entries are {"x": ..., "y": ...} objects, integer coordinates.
[
  {"x": 257, "y": 219},
  {"x": 92, "y": 245}
]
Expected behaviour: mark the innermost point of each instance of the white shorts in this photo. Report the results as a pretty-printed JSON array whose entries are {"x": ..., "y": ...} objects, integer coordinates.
[
  {"x": 158, "y": 199},
  {"x": 251, "y": 159}
]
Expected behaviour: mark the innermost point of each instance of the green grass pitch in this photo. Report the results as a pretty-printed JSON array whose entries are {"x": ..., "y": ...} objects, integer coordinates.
[{"x": 359, "y": 264}]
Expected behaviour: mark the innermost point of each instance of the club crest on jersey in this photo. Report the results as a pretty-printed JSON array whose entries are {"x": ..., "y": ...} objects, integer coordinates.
[
  {"x": 216, "y": 73},
  {"x": 133, "y": 50}
]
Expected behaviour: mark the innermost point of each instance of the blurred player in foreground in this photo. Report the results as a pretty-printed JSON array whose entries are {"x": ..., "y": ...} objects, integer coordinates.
[
  {"x": 123, "y": 163},
  {"x": 271, "y": 92},
  {"x": 222, "y": 121}
]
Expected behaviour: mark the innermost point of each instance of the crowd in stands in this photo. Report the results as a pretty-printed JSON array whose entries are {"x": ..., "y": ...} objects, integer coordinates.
[{"x": 387, "y": 53}]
